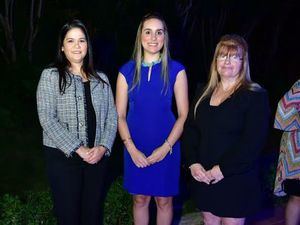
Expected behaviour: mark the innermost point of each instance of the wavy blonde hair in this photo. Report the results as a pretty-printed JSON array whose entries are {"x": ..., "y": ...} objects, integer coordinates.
[
  {"x": 138, "y": 52},
  {"x": 231, "y": 44}
]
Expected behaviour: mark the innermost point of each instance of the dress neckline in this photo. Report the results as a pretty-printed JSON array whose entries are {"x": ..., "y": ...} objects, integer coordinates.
[{"x": 145, "y": 64}]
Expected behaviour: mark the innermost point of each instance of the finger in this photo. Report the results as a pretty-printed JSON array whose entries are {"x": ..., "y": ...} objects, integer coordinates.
[
  {"x": 89, "y": 152},
  {"x": 201, "y": 179},
  {"x": 215, "y": 181},
  {"x": 144, "y": 162},
  {"x": 87, "y": 158},
  {"x": 150, "y": 159},
  {"x": 204, "y": 178},
  {"x": 197, "y": 178},
  {"x": 141, "y": 163}
]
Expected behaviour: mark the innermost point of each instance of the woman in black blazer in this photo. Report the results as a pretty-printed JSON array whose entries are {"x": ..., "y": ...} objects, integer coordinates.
[{"x": 223, "y": 136}]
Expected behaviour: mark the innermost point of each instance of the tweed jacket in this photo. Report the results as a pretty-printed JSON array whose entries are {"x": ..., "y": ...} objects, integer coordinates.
[{"x": 63, "y": 116}]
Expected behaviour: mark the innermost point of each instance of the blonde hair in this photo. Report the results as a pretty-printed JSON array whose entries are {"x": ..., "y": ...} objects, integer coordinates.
[
  {"x": 229, "y": 44},
  {"x": 138, "y": 52}
]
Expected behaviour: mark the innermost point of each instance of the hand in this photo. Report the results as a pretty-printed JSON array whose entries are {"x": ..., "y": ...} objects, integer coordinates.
[
  {"x": 216, "y": 174},
  {"x": 199, "y": 173},
  {"x": 96, "y": 154},
  {"x": 83, "y": 152},
  {"x": 139, "y": 158},
  {"x": 158, "y": 154}
]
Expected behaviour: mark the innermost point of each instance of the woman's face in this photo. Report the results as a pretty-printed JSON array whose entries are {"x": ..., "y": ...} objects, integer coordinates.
[
  {"x": 75, "y": 46},
  {"x": 153, "y": 36},
  {"x": 229, "y": 64}
]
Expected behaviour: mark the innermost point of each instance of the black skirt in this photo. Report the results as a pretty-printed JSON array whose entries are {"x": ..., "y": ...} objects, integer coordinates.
[
  {"x": 292, "y": 187},
  {"x": 237, "y": 196}
]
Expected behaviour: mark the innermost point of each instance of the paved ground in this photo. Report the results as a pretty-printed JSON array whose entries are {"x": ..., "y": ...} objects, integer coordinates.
[{"x": 271, "y": 216}]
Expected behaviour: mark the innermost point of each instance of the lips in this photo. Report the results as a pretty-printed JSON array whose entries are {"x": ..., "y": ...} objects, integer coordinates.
[{"x": 227, "y": 67}]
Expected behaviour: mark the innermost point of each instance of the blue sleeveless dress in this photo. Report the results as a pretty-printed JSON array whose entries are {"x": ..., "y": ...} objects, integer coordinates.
[{"x": 150, "y": 120}]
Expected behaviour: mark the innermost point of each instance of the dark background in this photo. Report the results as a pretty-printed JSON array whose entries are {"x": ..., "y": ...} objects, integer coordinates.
[{"x": 28, "y": 38}]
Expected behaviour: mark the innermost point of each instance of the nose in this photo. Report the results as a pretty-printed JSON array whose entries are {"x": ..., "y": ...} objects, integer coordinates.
[
  {"x": 77, "y": 44},
  {"x": 227, "y": 60},
  {"x": 153, "y": 36}
]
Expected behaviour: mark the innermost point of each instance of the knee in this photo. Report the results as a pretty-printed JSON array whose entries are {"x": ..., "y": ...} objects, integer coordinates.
[
  {"x": 295, "y": 199},
  {"x": 141, "y": 201},
  {"x": 210, "y": 219},
  {"x": 233, "y": 221},
  {"x": 164, "y": 203}
]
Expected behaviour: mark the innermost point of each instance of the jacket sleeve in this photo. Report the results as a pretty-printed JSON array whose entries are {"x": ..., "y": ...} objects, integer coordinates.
[
  {"x": 110, "y": 124},
  {"x": 244, "y": 154},
  {"x": 287, "y": 114},
  {"x": 191, "y": 133},
  {"x": 47, "y": 112},
  {"x": 190, "y": 140}
]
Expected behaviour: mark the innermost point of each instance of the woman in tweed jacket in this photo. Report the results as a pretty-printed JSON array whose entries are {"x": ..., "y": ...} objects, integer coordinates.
[{"x": 79, "y": 122}]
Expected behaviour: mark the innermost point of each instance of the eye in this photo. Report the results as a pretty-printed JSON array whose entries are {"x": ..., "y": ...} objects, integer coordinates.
[
  {"x": 82, "y": 41},
  {"x": 222, "y": 57},
  {"x": 70, "y": 41},
  {"x": 159, "y": 33},
  {"x": 147, "y": 32},
  {"x": 234, "y": 57}
]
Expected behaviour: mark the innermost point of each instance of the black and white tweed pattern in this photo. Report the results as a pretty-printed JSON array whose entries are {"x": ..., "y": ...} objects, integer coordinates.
[{"x": 62, "y": 116}]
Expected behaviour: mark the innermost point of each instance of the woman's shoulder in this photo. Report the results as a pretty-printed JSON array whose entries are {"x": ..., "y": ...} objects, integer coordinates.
[
  {"x": 175, "y": 65},
  {"x": 50, "y": 73},
  {"x": 253, "y": 96},
  {"x": 255, "y": 92},
  {"x": 50, "y": 70},
  {"x": 296, "y": 86},
  {"x": 127, "y": 67},
  {"x": 102, "y": 75}
]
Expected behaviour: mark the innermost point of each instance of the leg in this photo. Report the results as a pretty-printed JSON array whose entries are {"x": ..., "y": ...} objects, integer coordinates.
[
  {"x": 164, "y": 210},
  {"x": 292, "y": 211},
  {"x": 232, "y": 221},
  {"x": 141, "y": 209},
  {"x": 65, "y": 178},
  {"x": 93, "y": 193},
  {"x": 211, "y": 219}
]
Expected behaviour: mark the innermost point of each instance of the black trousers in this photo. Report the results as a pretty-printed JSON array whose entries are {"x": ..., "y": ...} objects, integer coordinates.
[{"x": 77, "y": 188}]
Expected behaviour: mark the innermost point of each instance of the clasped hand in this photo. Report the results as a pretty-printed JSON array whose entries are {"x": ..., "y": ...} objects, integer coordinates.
[
  {"x": 212, "y": 176},
  {"x": 91, "y": 155},
  {"x": 141, "y": 161}
]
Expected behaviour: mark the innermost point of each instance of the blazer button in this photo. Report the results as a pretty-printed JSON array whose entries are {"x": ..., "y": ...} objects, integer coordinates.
[
  {"x": 81, "y": 124},
  {"x": 79, "y": 97}
]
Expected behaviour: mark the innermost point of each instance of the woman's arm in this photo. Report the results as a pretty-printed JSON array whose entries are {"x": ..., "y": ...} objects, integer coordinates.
[
  {"x": 121, "y": 103},
  {"x": 111, "y": 120},
  {"x": 182, "y": 104},
  {"x": 47, "y": 112},
  {"x": 110, "y": 128}
]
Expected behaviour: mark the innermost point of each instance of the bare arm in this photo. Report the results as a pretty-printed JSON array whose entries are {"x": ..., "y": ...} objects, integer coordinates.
[
  {"x": 121, "y": 103},
  {"x": 182, "y": 104}
]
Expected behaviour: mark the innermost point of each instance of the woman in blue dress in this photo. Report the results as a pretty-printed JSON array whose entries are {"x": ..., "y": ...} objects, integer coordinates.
[{"x": 149, "y": 130}]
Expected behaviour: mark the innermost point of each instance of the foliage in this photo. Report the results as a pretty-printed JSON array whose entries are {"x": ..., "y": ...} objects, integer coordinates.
[
  {"x": 11, "y": 210},
  {"x": 20, "y": 133},
  {"x": 35, "y": 209},
  {"x": 118, "y": 205}
]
